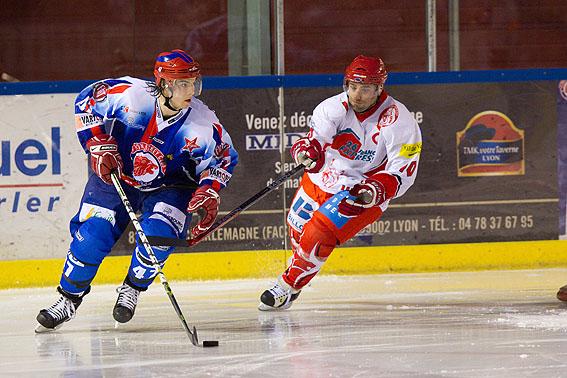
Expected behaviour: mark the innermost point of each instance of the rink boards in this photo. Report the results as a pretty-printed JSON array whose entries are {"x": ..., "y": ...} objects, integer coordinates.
[
  {"x": 343, "y": 261},
  {"x": 480, "y": 201}
]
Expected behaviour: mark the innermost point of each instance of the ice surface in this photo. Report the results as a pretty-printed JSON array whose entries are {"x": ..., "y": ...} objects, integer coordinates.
[{"x": 476, "y": 324}]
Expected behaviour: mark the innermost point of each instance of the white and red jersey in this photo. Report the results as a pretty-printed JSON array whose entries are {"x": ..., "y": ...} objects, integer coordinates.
[{"x": 383, "y": 143}]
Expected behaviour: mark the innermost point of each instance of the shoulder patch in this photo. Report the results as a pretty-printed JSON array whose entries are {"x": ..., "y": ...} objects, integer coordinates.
[
  {"x": 388, "y": 116},
  {"x": 100, "y": 91},
  {"x": 410, "y": 150}
]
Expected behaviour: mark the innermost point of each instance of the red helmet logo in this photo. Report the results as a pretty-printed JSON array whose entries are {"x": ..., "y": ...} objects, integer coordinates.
[
  {"x": 176, "y": 64},
  {"x": 366, "y": 70}
]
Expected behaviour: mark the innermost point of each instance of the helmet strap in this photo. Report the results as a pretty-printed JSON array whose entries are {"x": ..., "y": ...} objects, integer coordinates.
[{"x": 167, "y": 102}]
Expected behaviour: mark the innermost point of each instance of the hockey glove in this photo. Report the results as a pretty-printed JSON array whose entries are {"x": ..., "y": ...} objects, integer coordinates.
[
  {"x": 309, "y": 153},
  {"x": 368, "y": 193},
  {"x": 205, "y": 202},
  {"x": 105, "y": 157}
]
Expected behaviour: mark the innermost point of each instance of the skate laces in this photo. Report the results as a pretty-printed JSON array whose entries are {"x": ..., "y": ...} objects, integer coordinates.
[
  {"x": 127, "y": 296},
  {"x": 64, "y": 308},
  {"x": 280, "y": 293}
]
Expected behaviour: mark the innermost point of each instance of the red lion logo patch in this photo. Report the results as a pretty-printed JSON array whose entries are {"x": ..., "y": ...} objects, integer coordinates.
[
  {"x": 148, "y": 162},
  {"x": 143, "y": 166}
]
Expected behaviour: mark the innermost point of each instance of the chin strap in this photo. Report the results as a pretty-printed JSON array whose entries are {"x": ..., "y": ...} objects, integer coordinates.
[{"x": 168, "y": 104}]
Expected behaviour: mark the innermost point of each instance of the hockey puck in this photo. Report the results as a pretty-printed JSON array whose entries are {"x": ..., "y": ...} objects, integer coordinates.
[{"x": 210, "y": 343}]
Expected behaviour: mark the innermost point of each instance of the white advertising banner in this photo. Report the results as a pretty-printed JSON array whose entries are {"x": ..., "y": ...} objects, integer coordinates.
[{"x": 42, "y": 173}]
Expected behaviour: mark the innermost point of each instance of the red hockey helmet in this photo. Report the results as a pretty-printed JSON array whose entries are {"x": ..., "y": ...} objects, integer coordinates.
[
  {"x": 366, "y": 70},
  {"x": 176, "y": 64}
]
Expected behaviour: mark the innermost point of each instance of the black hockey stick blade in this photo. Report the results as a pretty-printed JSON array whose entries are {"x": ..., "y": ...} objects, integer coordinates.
[
  {"x": 191, "y": 333},
  {"x": 153, "y": 259},
  {"x": 173, "y": 242}
]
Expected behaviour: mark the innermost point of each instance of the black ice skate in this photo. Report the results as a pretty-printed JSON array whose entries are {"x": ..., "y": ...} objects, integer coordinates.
[
  {"x": 62, "y": 311},
  {"x": 278, "y": 297},
  {"x": 126, "y": 303}
]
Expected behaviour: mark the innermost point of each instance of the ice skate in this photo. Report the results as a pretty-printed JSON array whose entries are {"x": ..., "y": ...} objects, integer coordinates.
[
  {"x": 126, "y": 303},
  {"x": 278, "y": 297},
  {"x": 562, "y": 293},
  {"x": 62, "y": 311}
]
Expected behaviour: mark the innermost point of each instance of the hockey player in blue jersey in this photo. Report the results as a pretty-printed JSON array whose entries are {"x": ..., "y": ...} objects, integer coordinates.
[{"x": 164, "y": 143}]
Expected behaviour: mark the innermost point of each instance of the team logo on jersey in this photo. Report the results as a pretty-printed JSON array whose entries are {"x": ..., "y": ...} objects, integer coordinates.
[
  {"x": 347, "y": 144},
  {"x": 220, "y": 149},
  {"x": 490, "y": 145},
  {"x": 190, "y": 145},
  {"x": 330, "y": 177},
  {"x": 388, "y": 116},
  {"x": 100, "y": 91},
  {"x": 148, "y": 162}
]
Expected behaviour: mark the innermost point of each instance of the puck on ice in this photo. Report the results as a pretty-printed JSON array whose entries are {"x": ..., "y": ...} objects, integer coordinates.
[{"x": 210, "y": 343}]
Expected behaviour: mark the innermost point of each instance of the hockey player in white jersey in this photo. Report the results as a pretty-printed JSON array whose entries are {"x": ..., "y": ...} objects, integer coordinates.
[
  {"x": 176, "y": 156},
  {"x": 361, "y": 152}
]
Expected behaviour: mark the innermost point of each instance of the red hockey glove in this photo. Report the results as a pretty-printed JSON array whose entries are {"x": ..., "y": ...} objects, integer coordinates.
[
  {"x": 368, "y": 193},
  {"x": 309, "y": 153},
  {"x": 105, "y": 157},
  {"x": 206, "y": 202}
]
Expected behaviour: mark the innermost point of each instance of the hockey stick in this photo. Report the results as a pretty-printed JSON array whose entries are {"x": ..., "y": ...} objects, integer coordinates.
[
  {"x": 135, "y": 184},
  {"x": 172, "y": 242},
  {"x": 191, "y": 333}
]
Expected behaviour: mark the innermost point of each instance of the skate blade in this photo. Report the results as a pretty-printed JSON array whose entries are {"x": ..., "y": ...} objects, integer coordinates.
[
  {"x": 41, "y": 329},
  {"x": 264, "y": 307}
]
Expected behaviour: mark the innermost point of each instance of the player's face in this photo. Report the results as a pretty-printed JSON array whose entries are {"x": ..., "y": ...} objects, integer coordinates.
[
  {"x": 183, "y": 90},
  {"x": 362, "y": 96}
]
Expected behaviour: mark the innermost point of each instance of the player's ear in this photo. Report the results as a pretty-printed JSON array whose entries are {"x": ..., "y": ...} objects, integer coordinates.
[{"x": 165, "y": 89}]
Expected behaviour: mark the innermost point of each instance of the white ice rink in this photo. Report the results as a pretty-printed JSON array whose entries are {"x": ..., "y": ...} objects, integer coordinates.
[{"x": 478, "y": 324}]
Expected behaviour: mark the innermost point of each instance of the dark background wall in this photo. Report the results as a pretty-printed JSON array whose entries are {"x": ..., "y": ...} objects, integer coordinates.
[{"x": 70, "y": 40}]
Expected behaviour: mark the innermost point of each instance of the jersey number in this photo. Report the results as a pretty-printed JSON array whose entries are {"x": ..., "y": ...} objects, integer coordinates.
[
  {"x": 139, "y": 272},
  {"x": 410, "y": 168},
  {"x": 69, "y": 269}
]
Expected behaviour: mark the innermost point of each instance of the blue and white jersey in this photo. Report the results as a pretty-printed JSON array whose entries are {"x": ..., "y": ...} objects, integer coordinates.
[{"x": 191, "y": 146}]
